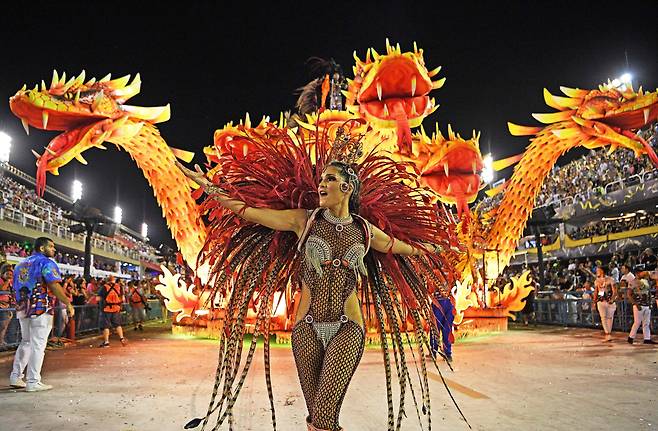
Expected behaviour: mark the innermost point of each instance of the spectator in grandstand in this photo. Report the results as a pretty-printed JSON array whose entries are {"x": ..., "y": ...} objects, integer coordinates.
[
  {"x": 61, "y": 316},
  {"x": 614, "y": 271},
  {"x": 6, "y": 300},
  {"x": 640, "y": 296},
  {"x": 35, "y": 280},
  {"x": 111, "y": 300},
  {"x": 605, "y": 295},
  {"x": 585, "y": 292},
  {"x": 79, "y": 299},
  {"x": 627, "y": 276},
  {"x": 528, "y": 311},
  {"x": 138, "y": 304},
  {"x": 648, "y": 260},
  {"x": 163, "y": 307}
]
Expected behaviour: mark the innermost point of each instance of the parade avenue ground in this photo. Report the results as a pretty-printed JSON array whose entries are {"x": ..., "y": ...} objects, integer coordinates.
[{"x": 546, "y": 378}]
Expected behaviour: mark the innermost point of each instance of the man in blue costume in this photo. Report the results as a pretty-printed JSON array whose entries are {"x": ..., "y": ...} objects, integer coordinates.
[
  {"x": 443, "y": 313},
  {"x": 36, "y": 284}
]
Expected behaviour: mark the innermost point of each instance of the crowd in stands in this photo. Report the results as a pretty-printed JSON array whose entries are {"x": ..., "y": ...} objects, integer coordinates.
[
  {"x": 577, "y": 275},
  {"x": 13, "y": 248},
  {"x": 15, "y": 196},
  {"x": 587, "y": 176},
  {"x": 85, "y": 296},
  {"x": 622, "y": 224}
]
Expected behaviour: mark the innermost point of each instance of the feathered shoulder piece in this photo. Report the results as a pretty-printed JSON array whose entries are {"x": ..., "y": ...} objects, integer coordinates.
[{"x": 249, "y": 263}]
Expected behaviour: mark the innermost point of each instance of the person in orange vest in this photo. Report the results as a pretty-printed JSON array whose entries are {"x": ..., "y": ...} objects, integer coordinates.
[
  {"x": 137, "y": 304},
  {"x": 111, "y": 300}
]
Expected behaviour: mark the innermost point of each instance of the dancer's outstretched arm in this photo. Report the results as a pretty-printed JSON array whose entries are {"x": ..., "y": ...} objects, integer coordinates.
[
  {"x": 293, "y": 220},
  {"x": 385, "y": 243}
]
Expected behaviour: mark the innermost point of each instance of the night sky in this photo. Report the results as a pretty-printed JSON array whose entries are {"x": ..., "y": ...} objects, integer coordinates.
[{"x": 213, "y": 64}]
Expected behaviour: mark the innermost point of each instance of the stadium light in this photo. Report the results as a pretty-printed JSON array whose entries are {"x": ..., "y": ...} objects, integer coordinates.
[
  {"x": 487, "y": 173},
  {"x": 76, "y": 191},
  {"x": 145, "y": 230},
  {"x": 5, "y": 147},
  {"x": 118, "y": 214},
  {"x": 623, "y": 81}
]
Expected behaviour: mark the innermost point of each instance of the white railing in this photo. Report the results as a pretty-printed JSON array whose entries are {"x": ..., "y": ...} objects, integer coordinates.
[
  {"x": 61, "y": 230},
  {"x": 622, "y": 183}
]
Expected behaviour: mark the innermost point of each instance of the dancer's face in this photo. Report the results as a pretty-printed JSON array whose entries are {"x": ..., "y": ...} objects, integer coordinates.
[{"x": 329, "y": 189}]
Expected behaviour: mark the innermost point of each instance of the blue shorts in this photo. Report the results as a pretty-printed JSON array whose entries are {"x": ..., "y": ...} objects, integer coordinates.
[{"x": 110, "y": 320}]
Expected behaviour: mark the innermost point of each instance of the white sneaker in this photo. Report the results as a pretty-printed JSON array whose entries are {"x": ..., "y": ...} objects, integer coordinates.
[
  {"x": 18, "y": 383},
  {"x": 37, "y": 387}
]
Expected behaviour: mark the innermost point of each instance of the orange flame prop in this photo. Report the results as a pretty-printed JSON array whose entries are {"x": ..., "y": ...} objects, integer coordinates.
[
  {"x": 178, "y": 296},
  {"x": 512, "y": 298}
]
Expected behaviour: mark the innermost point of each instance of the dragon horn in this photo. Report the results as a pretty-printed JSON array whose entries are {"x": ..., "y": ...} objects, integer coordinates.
[
  {"x": 55, "y": 80},
  {"x": 439, "y": 135},
  {"x": 438, "y": 84},
  {"x": 118, "y": 83},
  {"x": 80, "y": 79},
  {"x": 573, "y": 92},
  {"x": 516, "y": 130},
  {"x": 128, "y": 91},
  {"x": 554, "y": 117},
  {"x": 434, "y": 71},
  {"x": 157, "y": 114},
  {"x": 560, "y": 103}
]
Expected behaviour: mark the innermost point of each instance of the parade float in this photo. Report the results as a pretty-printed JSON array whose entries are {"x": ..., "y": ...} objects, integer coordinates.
[{"x": 388, "y": 96}]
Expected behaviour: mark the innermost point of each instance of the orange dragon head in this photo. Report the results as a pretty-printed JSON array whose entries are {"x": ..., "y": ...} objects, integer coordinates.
[
  {"x": 88, "y": 113},
  {"x": 233, "y": 140},
  {"x": 607, "y": 116},
  {"x": 392, "y": 91},
  {"x": 451, "y": 167}
]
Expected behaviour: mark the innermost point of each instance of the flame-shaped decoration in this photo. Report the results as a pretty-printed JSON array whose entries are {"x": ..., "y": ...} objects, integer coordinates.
[
  {"x": 178, "y": 296},
  {"x": 513, "y": 297}
]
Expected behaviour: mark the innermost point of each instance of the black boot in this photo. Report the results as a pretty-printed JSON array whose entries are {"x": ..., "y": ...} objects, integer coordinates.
[
  {"x": 649, "y": 342},
  {"x": 630, "y": 340}
]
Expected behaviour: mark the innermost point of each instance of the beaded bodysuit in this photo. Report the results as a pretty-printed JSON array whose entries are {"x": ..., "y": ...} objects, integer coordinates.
[{"x": 328, "y": 336}]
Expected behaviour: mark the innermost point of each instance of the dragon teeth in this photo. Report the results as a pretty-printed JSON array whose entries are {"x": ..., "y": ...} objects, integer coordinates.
[
  {"x": 413, "y": 86},
  {"x": 379, "y": 91},
  {"x": 646, "y": 113},
  {"x": 44, "y": 118},
  {"x": 26, "y": 126}
]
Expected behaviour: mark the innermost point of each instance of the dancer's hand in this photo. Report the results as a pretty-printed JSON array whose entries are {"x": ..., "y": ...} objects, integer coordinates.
[
  {"x": 199, "y": 177},
  {"x": 432, "y": 248}
]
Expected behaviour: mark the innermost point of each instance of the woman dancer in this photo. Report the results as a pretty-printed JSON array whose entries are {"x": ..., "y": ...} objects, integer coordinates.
[{"x": 333, "y": 242}]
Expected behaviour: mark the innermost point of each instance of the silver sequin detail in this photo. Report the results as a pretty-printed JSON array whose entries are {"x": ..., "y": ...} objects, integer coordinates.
[
  {"x": 354, "y": 257},
  {"x": 327, "y": 330},
  {"x": 336, "y": 220},
  {"x": 317, "y": 250}
]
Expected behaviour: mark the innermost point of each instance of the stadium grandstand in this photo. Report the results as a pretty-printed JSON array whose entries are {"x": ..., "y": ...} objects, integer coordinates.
[{"x": 25, "y": 216}]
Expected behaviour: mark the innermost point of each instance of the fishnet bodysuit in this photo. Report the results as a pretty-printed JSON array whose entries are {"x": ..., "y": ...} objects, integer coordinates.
[{"x": 325, "y": 373}]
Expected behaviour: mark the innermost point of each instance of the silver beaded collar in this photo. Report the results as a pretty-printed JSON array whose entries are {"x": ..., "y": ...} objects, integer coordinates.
[{"x": 338, "y": 221}]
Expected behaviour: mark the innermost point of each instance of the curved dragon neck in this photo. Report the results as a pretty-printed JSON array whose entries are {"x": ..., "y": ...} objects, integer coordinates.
[
  {"x": 516, "y": 207},
  {"x": 171, "y": 189}
]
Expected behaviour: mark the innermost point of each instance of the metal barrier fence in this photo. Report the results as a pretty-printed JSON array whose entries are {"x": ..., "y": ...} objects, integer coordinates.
[
  {"x": 582, "y": 313},
  {"x": 86, "y": 322}
]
